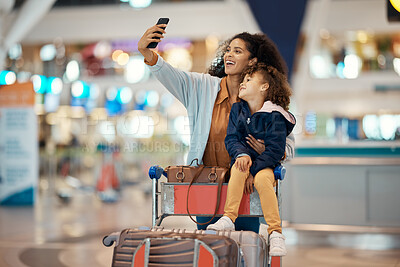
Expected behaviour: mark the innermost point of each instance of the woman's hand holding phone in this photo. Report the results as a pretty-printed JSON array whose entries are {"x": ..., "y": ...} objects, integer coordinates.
[{"x": 151, "y": 38}]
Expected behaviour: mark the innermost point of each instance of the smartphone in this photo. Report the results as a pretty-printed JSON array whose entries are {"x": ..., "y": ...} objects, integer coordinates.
[{"x": 160, "y": 21}]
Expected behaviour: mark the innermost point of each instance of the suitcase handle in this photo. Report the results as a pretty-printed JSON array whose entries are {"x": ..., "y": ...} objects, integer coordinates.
[
  {"x": 109, "y": 240},
  {"x": 142, "y": 253}
]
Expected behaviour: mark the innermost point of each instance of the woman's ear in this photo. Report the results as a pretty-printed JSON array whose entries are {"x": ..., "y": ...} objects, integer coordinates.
[{"x": 253, "y": 61}]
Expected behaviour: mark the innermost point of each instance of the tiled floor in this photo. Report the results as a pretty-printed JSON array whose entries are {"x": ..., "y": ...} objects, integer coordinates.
[{"x": 55, "y": 234}]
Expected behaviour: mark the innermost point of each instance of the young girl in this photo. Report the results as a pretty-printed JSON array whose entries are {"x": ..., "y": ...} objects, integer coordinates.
[{"x": 263, "y": 113}]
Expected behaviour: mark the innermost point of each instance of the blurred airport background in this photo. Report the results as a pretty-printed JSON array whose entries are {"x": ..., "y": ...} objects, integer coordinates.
[{"x": 98, "y": 120}]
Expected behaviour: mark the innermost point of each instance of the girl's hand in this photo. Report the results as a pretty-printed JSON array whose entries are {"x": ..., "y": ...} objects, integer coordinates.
[
  {"x": 148, "y": 37},
  {"x": 257, "y": 144},
  {"x": 243, "y": 163},
  {"x": 248, "y": 186}
]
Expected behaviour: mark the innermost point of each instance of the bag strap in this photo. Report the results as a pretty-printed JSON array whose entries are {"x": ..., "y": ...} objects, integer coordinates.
[
  {"x": 220, "y": 181},
  {"x": 196, "y": 159}
]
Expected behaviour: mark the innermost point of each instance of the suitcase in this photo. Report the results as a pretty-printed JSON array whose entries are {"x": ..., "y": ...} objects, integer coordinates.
[
  {"x": 167, "y": 248},
  {"x": 252, "y": 251}
]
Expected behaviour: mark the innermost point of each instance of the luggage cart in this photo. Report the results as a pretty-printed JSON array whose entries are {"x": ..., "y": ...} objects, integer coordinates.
[
  {"x": 171, "y": 198},
  {"x": 166, "y": 198}
]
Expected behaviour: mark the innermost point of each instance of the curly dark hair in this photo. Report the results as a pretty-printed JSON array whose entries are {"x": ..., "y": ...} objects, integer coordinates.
[
  {"x": 279, "y": 90},
  {"x": 259, "y": 45}
]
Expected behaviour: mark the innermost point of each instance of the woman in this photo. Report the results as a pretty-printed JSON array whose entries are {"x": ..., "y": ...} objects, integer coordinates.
[{"x": 208, "y": 98}]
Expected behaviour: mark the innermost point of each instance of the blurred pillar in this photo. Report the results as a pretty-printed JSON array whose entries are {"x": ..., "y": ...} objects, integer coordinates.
[
  {"x": 281, "y": 21},
  {"x": 28, "y": 16},
  {"x": 5, "y": 8}
]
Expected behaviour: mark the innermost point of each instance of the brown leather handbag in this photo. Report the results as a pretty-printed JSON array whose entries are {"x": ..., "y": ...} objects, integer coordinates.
[{"x": 198, "y": 174}]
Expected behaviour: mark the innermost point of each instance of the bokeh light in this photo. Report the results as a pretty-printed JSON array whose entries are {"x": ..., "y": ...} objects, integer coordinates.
[
  {"x": 72, "y": 71},
  {"x": 111, "y": 93},
  {"x": 79, "y": 89},
  {"x": 116, "y": 54},
  {"x": 387, "y": 125},
  {"x": 140, "y": 3},
  {"x": 15, "y": 52},
  {"x": 370, "y": 126},
  {"x": 39, "y": 83},
  {"x": 136, "y": 70},
  {"x": 179, "y": 57},
  {"x": 7, "y": 77},
  {"x": 55, "y": 85},
  {"x": 102, "y": 49},
  {"x": 125, "y": 95},
  {"x": 123, "y": 59},
  {"x": 48, "y": 52},
  {"x": 152, "y": 98},
  {"x": 352, "y": 66}
]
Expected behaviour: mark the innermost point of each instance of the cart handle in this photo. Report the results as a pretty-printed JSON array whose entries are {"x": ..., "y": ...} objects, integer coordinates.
[
  {"x": 279, "y": 172},
  {"x": 156, "y": 171}
]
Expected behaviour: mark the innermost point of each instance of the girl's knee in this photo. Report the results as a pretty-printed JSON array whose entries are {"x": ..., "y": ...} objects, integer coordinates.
[
  {"x": 234, "y": 169},
  {"x": 264, "y": 178},
  {"x": 260, "y": 183},
  {"x": 237, "y": 174}
]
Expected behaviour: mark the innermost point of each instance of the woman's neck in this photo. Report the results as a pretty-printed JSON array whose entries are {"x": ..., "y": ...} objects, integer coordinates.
[{"x": 233, "y": 84}]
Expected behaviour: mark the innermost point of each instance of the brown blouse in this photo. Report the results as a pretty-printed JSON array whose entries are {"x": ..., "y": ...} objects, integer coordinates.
[{"x": 215, "y": 153}]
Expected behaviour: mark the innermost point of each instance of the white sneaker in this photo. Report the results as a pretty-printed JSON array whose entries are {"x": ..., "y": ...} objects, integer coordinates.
[
  {"x": 224, "y": 223},
  {"x": 263, "y": 231},
  {"x": 277, "y": 245}
]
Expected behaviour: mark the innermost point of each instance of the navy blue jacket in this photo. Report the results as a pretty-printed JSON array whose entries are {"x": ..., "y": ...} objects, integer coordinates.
[{"x": 271, "y": 124}]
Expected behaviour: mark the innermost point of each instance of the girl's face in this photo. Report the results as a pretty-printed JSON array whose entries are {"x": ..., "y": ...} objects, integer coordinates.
[
  {"x": 236, "y": 58},
  {"x": 253, "y": 87}
]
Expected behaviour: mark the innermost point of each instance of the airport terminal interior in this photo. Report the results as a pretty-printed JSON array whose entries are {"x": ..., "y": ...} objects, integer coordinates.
[{"x": 82, "y": 120}]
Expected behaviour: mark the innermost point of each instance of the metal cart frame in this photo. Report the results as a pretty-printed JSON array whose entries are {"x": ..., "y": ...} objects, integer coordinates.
[{"x": 165, "y": 198}]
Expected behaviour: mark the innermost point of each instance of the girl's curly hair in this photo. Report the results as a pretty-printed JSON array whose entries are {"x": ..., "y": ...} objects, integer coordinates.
[
  {"x": 279, "y": 90},
  {"x": 259, "y": 45}
]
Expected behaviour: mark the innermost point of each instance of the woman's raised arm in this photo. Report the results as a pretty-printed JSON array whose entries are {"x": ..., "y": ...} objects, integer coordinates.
[
  {"x": 147, "y": 38},
  {"x": 187, "y": 87}
]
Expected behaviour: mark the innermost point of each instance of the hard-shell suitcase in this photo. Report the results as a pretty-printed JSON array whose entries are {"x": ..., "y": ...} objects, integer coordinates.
[
  {"x": 167, "y": 248},
  {"x": 253, "y": 247}
]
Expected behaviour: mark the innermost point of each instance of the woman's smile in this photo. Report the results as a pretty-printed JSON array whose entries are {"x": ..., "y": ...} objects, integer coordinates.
[{"x": 229, "y": 63}]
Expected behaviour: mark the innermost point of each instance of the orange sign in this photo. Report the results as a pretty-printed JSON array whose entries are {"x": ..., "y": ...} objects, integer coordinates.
[{"x": 17, "y": 95}]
